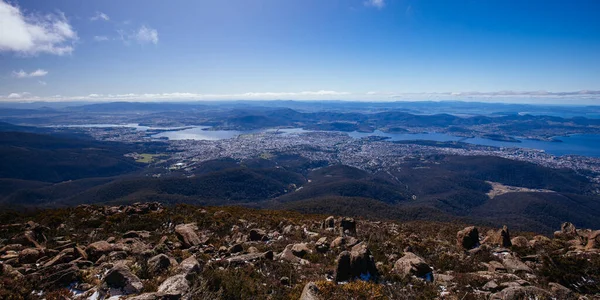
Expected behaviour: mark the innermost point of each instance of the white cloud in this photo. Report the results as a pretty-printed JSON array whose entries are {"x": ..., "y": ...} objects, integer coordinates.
[
  {"x": 20, "y": 74},
  {"x": 32, "y": 34},
  {"x": 42, "y": 82},
  {"x": 18, "y": 95},
  {"x": 585, "y": 96},
  {"x": 290, "y": 94},
  {"x": 38, "y": 73},
  {"x": 100, "y": 38},
  {"x": 23, "y": 74},
  {"x": 528, "y": 93},
  {"x": 375, "y": 3},
  {"x": 100, "y": 16},
  {"x": 377, "y": 93},
  {"x": 183, "y": 96},
  {"x": 146, "y": 35},
  {"x": 143, "y": 35}
]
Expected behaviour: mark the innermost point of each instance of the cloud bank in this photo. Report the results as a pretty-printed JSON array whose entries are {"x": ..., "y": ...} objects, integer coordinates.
[
  {"x": 23, "y": 74},
  {"x": 587, "y": 96},
  {"x": 526, "y": 93},
  {"x": 17, "y": 96},
  {"x": 197, "y": 96},
  {"x": 33, "y": 34}
]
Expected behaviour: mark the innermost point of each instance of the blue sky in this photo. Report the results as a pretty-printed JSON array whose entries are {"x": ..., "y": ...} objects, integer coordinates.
[{"x": 488, "y": 50}]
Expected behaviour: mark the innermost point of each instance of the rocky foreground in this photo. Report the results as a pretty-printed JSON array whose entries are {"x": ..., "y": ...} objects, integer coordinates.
[{"x": 146, "y": 251}]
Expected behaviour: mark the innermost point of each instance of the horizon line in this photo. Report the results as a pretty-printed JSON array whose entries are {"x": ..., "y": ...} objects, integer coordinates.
[{"x": 194, "y": 101}]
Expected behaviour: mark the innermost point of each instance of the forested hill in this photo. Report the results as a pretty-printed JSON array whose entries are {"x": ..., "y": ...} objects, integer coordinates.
[{"x": 47, "y": 158}]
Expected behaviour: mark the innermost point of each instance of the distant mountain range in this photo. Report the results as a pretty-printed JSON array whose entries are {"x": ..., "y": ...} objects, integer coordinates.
[
  {"x": 418, "y": 107},
  {"x": 458, "y": 118}
]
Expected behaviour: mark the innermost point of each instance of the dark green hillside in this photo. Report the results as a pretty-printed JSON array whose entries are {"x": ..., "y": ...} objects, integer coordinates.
[
  {"x": 51, "y": 193},
  {"x": 364, "y": 207},
  {"x": 517, "y": 173},
  {"x": 540, "y": 210},
  {"x": 223, "y": 187},
  {"x": 348, "y": 188},
  {"x": 450, "y": 172},
  {"x": 9, "y": 185},
  {"x": 297, "y": 163},
  {"x": 216, "y": 165},
  {"x": 16, "y": 128},
  {"x": 337, "y": 172},
  {"x": 47, "y": 158},
  {"x": 345, "y": 181}
]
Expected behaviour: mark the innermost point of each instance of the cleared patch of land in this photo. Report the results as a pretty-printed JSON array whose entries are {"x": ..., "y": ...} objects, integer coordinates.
[
  {"x": 147, "y": 158},
  {"x": 501, "y": 189}
]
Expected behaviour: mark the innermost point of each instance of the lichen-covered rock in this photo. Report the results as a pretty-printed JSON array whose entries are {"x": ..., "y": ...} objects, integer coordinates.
[
  {"x": 97, "y": 249},
  {"x": 175, "y": 285},
  {"x": 593, "y": 240},
  {"x": 539, "y": 241},
  {"x": 121, "y": 277},
  {"x": 64, "y": 256},
  {"x": 30, "y": 255},
  {"x": 491, "y": 286},
  {"x": 27, "y": 238},
  {"x": 468, "y": 238},
  {"x": 159, "y": 264},
  {"x": 347, "y": 241},
  {"x": 189, "y": 265},
  {"x": 521, "y": 292},
  {"x": 310, "y": 292},
  {"x": 412, "y": 264},
  {"x": 520, "y": 242},
  {"x": 147, "y": 296},
  {"x": 258, "y": 235},
  {"x": 137, "y": 234},
  {"x": 357, "y": 263},
  {"x": 187, "y": 235},
  {"x": 514, "y": 265},
  {"x": 300, "y": 250},
  {"x": 250, "y": 257},
  {"x": 55, "y": 275},
  {"x": 321, "y": 245},
  {"x": 560, "y": 291},
  {"x": 328, "y": 223},
  {"x": 567, "y": 231},
  {"x": 499, "y": 237},
  {"x": 348, "y": 225},
  {"x": 288, "y": 255}
]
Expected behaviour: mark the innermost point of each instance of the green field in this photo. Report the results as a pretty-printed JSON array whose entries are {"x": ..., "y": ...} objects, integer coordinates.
[{"x": 148, "y": 158}]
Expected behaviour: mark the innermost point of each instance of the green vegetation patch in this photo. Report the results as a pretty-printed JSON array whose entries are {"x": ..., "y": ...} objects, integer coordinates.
[{"x": 148, "y": 158}]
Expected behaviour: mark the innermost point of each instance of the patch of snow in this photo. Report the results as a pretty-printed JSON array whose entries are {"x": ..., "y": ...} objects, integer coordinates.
[{"x": 94, "y": 296}]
